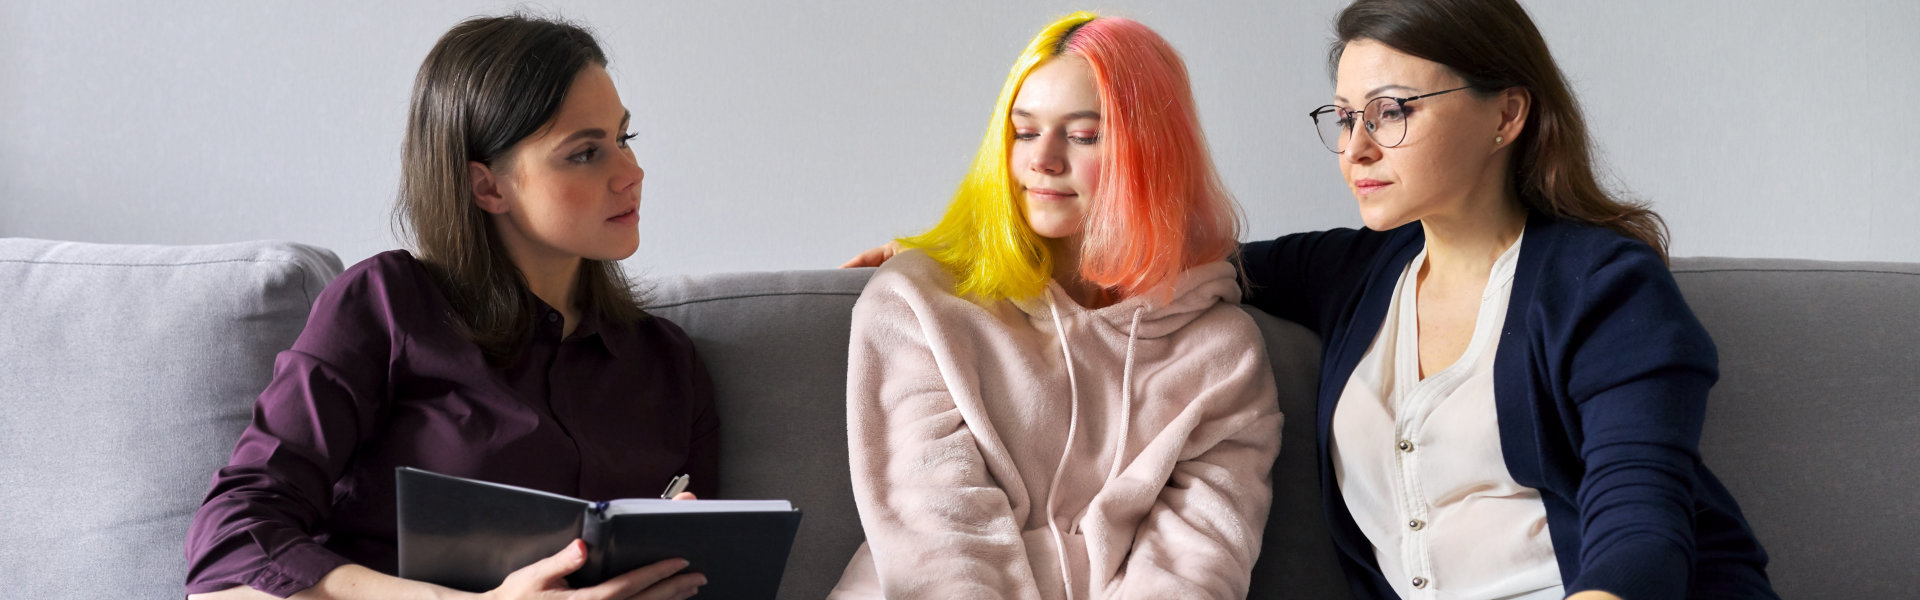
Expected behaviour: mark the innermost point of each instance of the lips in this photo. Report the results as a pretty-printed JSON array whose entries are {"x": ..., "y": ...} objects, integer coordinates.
[
  {"x": 1050, "y": 194},
  {"x": 1369, "y": 186},
  {"x": 632, "y": 215}
]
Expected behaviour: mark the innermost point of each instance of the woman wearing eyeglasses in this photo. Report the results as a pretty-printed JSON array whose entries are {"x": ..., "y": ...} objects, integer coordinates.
[{"x": 1512, "y": 388}]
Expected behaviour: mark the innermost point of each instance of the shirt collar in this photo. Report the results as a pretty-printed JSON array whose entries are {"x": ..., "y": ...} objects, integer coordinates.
[
  {"x": 591, "y": 327},
  {"x": 611, "y": 338}
]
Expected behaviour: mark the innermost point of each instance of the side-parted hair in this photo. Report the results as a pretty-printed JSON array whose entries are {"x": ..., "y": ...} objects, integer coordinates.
[
  {"x": 487, "y": 84},
  {"x": 1493, "y": 45},
  {"x": 1160, "y": 208}
]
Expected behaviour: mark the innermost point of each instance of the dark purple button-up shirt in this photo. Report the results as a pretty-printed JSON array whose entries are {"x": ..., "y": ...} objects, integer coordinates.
[{"x": 379, "y": 379}]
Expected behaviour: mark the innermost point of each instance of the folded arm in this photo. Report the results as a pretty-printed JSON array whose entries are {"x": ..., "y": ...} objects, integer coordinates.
[
  {"x": 938, "y": 522},
  {"x": 1202, "y": 534}
]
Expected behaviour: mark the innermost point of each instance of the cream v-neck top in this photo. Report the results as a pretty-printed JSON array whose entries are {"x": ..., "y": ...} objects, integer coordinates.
[{"x": 1419, "y": 466}]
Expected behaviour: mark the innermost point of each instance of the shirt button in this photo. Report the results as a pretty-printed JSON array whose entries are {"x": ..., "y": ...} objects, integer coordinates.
[
  {"x": 1404, "y": 446},
  {"x": 1419, "y": 583},
  {"x": 552, "y": 317},
  {"x": 1417, "y": 524}
]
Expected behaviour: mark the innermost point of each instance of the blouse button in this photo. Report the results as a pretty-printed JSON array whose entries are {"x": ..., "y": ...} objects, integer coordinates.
[
  {"x": 551, "y": 317},
  {"x": 1417, "y": 524},
  {"x": 1419, "y": 582},
  {"x": 1404, "y": 446}
]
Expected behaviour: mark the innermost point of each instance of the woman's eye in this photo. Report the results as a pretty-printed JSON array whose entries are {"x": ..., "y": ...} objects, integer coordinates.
[
  {"x": 585, "y": 156},
  {"x": 624, "y": 139},
  {"x": 1393, "y": 114},
  {"x": 1084, "y": 140},
  {"x": 1026, "y": 135}
]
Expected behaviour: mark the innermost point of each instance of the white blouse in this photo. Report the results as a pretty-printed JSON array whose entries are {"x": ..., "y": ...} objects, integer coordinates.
[{"x": 1418, "y": 462}]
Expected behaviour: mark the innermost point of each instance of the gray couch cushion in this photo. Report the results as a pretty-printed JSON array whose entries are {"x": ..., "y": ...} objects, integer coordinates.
[
  {"x": 1297, "y": 557},
  {"x": 775, "y": 344},
  {"x": 1815, "y": 424},
  {"x": 128, "y": 373}
]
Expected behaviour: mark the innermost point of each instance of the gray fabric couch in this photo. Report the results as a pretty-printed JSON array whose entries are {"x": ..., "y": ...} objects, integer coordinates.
[{"x": 126, "y": 373}]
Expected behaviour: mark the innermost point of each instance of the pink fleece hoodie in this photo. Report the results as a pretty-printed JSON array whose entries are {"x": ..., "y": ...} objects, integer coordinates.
[{"x": 1037, "y": 449}]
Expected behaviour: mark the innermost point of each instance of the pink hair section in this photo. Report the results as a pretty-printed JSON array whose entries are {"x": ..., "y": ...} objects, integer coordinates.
[{"x": 1161, "y": 207}]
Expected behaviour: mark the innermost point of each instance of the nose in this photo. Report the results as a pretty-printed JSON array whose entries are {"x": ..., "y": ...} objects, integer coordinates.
[
  {"x": 1050, "y": 157},
  {"x": 628, "y": 175},
  {"x": 1361, "y": 149}
]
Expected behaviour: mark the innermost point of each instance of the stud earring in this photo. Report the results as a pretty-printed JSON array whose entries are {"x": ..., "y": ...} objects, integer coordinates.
[{"x": 1498, "y": 139}]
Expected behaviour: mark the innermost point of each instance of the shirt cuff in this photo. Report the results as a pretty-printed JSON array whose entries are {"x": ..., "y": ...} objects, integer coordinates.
[
  {"x": 1637, "y": 574},
  {"x": 297, "y": 568}
]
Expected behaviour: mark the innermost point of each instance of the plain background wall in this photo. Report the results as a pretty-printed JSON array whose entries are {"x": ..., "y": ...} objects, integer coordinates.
[{"x": 782, "y": 135}]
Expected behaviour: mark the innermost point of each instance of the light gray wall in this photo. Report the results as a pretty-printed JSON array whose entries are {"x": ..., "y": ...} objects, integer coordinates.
[{"x": 781, "y": 135}]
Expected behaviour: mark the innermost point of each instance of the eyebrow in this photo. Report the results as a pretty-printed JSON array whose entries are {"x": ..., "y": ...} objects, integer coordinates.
[
  {"x": 1376, "y": 91},
  {"x": 1073, "y": 116},
  {"x": 595, "y": 132}
]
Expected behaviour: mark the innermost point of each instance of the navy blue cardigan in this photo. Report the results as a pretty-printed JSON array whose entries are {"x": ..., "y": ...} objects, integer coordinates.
[{"x": 1600, "y": 387}]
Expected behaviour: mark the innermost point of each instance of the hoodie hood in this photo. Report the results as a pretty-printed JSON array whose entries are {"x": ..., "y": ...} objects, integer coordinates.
[{"x": 1194, "y": 291}]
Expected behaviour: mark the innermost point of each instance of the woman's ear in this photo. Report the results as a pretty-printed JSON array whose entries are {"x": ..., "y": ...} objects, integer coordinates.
[
  {"x": 1515, "y": 102},
  {"x": 488, "y": 192}
]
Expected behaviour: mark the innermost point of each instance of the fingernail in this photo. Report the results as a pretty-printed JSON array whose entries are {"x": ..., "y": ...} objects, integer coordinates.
[
  {"x": 681, "y": 564},
  {"x": 702, "y": 581}
]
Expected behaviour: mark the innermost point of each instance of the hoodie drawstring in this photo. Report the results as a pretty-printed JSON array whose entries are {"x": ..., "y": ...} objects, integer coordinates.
[
  {"x": 1126, "y": 399},
  {"x": 1073, "y": 422}
]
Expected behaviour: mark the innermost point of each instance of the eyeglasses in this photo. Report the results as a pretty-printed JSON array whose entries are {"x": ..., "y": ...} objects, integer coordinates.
[{"x": 1385, "y": 119}]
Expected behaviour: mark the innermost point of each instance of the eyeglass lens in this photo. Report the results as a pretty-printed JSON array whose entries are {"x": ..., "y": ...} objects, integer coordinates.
[{"x": 1383, "y": 118}]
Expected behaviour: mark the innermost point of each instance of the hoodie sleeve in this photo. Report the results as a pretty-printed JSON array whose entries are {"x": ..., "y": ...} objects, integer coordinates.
[
  {"x": 1202, "y": 534},
  {"x": 937, "y": 523}
]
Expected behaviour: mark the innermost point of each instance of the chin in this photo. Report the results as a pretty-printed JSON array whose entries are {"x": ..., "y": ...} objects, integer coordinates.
[
  {"x": 1054, "y": 226},
  {"x": 1378, "y": 219},
  {"x": 1056, "y": 232},
  {"x": 612, "y": 253}
]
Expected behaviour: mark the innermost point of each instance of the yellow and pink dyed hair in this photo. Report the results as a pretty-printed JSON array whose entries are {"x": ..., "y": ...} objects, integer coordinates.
[{"x": 1160, "y": 208}]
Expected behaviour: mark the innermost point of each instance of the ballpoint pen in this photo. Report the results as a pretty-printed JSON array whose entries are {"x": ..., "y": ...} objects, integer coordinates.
[{"x": 675, "y": 486}]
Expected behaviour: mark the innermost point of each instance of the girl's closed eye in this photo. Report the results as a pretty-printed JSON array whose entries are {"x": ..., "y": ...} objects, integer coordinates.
[
  {"x": 1025, "y": 135},
  {"x": 624, "y": 139},
  {"x": 1084, "y": 139}
]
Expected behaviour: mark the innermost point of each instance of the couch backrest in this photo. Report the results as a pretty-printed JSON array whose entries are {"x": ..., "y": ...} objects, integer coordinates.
[
  {"x": 1815, "y": 423},
  {"x": 1812, "y": 424},
  {"x": 776, "y": 347},
  {"x": 126, "y": 374}
]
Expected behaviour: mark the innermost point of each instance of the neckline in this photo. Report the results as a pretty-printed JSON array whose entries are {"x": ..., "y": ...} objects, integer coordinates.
[{"x": 1406, "y": 296}]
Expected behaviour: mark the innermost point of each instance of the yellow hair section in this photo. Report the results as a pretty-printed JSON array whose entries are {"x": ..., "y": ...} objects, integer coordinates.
[{"x": 984, "y": 240}]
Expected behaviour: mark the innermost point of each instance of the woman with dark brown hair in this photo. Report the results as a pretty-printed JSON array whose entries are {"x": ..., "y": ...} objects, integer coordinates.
[
  {"x": 510, "y": 348},
  {"x": 1512, "y": 387}
]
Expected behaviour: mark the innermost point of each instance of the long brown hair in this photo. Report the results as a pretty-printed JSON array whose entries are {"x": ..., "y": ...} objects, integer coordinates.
[
  {"x": 1493, "y": 45},
  {"x": 487, "y": 84}
]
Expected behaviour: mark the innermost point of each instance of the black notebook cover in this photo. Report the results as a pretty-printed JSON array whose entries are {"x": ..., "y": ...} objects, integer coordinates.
[{"x": 469, "y": 535}]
